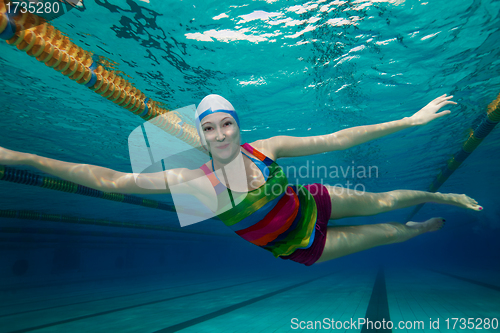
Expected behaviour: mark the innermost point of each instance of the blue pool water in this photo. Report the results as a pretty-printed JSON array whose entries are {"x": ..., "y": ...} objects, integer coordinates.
[{"x": 289, "y": 68}]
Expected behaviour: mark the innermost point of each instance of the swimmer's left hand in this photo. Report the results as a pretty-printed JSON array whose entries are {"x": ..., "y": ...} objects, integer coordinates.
[{"x": 430, "y": 111}]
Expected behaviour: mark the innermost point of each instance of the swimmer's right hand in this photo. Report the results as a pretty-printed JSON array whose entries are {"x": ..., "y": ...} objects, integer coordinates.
[
  {"x": 430, "y": 111},
  {"x": 11, "y": 157}
]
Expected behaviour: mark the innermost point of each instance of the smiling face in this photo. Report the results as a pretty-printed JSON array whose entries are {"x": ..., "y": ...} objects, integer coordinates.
[{"x": 222, "y": 135}]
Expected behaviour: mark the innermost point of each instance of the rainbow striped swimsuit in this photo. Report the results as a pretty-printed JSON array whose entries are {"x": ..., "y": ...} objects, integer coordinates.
[{"x": 276, "y": 216}]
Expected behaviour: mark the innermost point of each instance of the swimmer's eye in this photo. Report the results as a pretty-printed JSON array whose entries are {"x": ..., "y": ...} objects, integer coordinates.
[
  {"x": 228, "y": 123},
  {"x": 208, "y": 128}
]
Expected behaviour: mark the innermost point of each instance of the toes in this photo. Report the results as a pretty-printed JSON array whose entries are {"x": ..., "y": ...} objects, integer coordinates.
[{"x": 477, "y": 208}]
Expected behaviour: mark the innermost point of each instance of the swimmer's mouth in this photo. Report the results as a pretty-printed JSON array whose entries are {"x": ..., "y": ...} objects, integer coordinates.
[{"x": 223, "y": 147}]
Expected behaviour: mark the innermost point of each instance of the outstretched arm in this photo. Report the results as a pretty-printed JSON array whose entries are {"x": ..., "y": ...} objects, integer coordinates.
[
  {"x": 286, "y": 146},
  {"x": 96, "y": 177}
]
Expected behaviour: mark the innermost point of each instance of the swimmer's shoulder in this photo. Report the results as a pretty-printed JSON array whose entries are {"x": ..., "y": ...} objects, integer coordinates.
[
  {"x": 191, "y": 181},
  {"x": 189, "y": 174},
  {"x": 265, "y": 147},
  {"x": 185, "y": 177}
]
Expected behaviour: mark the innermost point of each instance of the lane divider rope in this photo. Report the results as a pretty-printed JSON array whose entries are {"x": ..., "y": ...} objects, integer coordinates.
[
  {"x": 487, "y": 124},
  {"x": 39, "y": 39},
  {"x": 39, "y": 216}
]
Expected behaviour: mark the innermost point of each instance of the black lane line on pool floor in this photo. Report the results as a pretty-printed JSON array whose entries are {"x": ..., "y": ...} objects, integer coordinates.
[
  {"x": 130, "y": 307},
  {"x": 21, "y": 286},
  {"x": 378, "y": 307},
  {"x": 226, "y": 310},
  {"x": 105, "y": 298},
  {"x": 479, "y": 283}
]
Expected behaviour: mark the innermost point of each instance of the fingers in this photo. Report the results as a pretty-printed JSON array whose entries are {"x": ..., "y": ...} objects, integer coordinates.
[
  {"x": 444, "y": 96},
  {"x": 443, "y": 100},
  {"x": 444, "y": 113},
  {"x": 446, "y": 103},
  {"x": 447, "y": 98}
]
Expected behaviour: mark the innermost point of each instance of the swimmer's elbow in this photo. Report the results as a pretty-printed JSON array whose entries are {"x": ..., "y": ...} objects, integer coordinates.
[
  {"x": 343, "y": 146},
  {"x": 144, "y": 183},
  {"x": 338, "y": 141}
]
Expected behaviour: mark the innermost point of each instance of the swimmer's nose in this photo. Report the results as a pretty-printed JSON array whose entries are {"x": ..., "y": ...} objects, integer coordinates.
[{"x": 220, "y": 135}]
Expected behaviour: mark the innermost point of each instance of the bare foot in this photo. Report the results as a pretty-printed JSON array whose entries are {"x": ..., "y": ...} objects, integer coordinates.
[
  {"x": 433, "y": 224},
  {"x": 461, "y": 200}
]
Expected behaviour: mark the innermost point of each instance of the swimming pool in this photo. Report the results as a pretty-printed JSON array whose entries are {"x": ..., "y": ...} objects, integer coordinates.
[{"x": 289, "y": 68}]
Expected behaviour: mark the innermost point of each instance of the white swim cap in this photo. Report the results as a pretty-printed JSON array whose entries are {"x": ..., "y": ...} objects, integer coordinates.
[{"x": 212, "y": 104}]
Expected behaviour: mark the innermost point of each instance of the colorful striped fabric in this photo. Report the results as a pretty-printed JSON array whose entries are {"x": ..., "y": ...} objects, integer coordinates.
[
  {"x": 276, "y": 216},
  {"x": 218, "y": 186}
]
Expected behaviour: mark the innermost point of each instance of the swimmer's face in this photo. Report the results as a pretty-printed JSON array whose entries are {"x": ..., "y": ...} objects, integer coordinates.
[{"x": 222, "y": 135}]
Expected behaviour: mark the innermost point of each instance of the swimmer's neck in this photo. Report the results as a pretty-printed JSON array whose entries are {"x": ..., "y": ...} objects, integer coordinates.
[{"x": 229, "y": 162}]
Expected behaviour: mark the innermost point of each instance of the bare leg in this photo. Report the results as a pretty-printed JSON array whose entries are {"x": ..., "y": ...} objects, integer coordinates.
[
  {"x": 344, "y": 240},
  {"x": 348, "y": 203}
]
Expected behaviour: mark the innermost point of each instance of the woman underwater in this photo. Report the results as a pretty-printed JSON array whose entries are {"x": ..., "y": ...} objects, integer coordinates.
[{"x": 254, "y": 198}]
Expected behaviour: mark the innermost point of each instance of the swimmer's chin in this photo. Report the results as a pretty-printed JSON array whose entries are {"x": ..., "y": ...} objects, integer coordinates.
[{"x": 225, "y": 153}]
